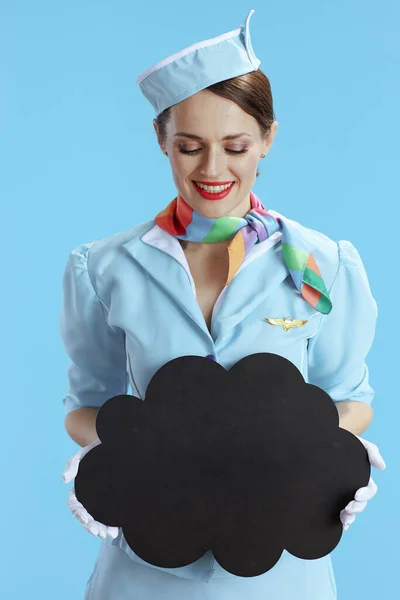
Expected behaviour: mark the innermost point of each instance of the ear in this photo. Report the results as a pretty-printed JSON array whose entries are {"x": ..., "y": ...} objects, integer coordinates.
[
  {"x": 270, "y": 137},
  {"x": 156, "y": 129},
  {"x": 160, "y": 142}
]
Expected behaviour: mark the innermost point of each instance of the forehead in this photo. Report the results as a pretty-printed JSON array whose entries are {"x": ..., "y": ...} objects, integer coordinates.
[{"x": 206, "y": 114}]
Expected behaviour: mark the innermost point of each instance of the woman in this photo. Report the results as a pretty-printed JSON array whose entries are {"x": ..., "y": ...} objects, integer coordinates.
[{"x": 202, "y": 279}]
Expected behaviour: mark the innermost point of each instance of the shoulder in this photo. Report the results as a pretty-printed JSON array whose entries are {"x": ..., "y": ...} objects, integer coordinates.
[{"x": 97, "y": 256}]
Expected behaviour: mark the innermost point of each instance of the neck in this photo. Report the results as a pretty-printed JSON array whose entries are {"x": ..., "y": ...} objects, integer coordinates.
[
  {"x": 216, "y": 248},
  {"x": 243, "y": 208},
  {"x": 205, "y": 249}
]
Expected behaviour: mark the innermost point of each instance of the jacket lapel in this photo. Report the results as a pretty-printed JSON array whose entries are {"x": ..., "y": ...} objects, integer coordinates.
[{"x": 153, "y": 251}]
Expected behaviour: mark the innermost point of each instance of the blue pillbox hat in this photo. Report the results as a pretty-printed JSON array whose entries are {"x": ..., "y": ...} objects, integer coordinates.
[{"x": 196, "y": 67}]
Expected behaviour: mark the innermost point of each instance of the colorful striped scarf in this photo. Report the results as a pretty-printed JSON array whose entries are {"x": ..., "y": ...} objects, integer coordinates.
[{"x": 181, "y": 221}]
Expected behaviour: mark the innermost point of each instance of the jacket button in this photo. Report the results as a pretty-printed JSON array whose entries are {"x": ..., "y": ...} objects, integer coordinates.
[{"x": 212, "y": 357}]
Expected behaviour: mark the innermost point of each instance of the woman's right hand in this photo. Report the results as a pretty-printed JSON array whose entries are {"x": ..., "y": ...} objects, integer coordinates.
[{"x": 77, "y": 509}]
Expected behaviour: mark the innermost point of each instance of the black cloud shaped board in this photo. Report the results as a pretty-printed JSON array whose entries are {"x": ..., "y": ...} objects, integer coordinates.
[{"x": 245, "y": 463}]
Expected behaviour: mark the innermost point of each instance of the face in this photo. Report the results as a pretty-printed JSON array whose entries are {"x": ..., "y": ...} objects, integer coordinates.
[{"x": 211, "y": 139}]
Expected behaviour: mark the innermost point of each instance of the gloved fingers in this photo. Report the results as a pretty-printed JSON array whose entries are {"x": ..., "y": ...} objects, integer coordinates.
[
  {"x": 72, "y": 464},
  {"x": 346, "y": 519},
  {"x": 368, "y": 492},
  {"x": 93, "y": 526},
  {"x": 88, "y": 448},
  {"x": 71, "y": 468},
  {"x": 374, "y": 456},
  {"x": 83, "y": 517},
  {"x": 102, "y": 530},
  {"x": 112, "y": 531},
  {"x": 355, "y": 507},
  {"x": 73, "y": 503},
  {"x": 88, "y": 522}
]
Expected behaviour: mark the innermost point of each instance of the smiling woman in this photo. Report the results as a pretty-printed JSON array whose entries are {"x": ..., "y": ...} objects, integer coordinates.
[
  {"x": 207, "y": 277},
  {"x": 200, "y": 127}
]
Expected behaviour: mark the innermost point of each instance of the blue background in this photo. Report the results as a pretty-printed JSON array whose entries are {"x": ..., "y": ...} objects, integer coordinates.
[{"x": 79, "y": 161}]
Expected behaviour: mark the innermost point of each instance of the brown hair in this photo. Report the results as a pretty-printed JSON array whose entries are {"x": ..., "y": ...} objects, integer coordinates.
[{"x": 252, "y": 92}]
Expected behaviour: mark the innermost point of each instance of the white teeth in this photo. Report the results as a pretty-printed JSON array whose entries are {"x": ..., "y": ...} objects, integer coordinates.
[{"x": 214, "y": 188}]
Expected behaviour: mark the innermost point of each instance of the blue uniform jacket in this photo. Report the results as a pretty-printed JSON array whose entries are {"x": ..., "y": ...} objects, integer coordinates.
[{"x": 130, "y": 306}]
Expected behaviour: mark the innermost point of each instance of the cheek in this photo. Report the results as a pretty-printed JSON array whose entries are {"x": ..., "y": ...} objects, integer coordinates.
[
  {"x": 181, "y": 167},
  {"x": 245, "y": 166}
]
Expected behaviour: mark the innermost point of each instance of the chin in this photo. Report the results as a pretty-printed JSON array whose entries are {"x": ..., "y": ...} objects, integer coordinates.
[{"x": 213, "y": 209}]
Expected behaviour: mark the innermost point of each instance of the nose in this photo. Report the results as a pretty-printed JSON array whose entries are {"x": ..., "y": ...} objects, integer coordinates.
[{"x": 212, "y": 163}]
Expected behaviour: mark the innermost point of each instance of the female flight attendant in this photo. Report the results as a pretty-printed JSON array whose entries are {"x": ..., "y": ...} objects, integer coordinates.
[{"x": 203, "y": 278}]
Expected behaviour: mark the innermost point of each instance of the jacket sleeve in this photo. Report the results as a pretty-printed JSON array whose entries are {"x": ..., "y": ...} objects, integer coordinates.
[
  {"x": 97, "y": 369},
  {"x": 337, "y": 352}
]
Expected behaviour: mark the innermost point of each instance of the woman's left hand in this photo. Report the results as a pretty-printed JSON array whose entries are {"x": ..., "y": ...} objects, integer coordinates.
[{"x": 348, "y": 514}]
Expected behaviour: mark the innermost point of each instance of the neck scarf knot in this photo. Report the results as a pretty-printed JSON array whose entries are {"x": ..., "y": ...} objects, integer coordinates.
[{"x": 181, "y": 221}]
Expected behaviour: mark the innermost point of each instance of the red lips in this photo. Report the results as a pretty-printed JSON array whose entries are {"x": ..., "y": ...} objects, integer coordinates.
[
  {"x": 212, "y": 195},
  {"x": 214, "y": 182}
]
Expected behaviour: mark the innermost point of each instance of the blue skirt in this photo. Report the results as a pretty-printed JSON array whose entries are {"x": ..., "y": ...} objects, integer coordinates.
[{"x": 117, "y": 577}]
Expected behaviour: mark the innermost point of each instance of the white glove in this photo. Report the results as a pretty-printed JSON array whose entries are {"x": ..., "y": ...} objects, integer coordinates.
[
  {"x": 348, "y": 514},
  {"x": 77, "y": 509}
]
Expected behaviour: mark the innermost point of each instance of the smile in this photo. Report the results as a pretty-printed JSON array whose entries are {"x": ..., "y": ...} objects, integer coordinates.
[{"x": 214, "y": 191}]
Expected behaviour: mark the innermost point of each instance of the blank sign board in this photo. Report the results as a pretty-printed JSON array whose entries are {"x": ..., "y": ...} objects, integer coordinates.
[{"x": 246, "y": 463}]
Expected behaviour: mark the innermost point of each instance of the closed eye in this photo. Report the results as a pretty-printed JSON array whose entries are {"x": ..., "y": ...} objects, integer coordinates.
[{"x": 197, "y": 150}]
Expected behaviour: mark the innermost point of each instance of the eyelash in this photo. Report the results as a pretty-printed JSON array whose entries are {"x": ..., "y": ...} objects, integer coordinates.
[{"x": 199, "y": 149}]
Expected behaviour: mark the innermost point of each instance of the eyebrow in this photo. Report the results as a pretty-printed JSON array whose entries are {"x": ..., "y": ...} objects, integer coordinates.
[{"x": 192, "y": 136}]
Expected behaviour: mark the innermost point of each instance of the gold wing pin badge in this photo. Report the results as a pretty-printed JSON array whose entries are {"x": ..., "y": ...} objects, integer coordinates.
[{"x": 287, "y": 323}]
